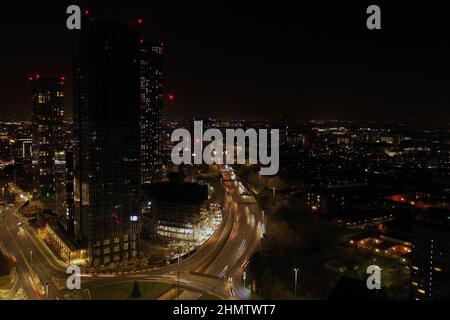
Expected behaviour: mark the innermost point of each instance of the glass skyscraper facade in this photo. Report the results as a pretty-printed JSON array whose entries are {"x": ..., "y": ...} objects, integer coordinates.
[{"x": 107, "y": 170}]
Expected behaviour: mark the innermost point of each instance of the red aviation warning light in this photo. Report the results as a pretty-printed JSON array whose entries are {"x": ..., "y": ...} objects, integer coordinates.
[
  {"x": 140, "y": 21},
  {"x": 171, "y": 97}
]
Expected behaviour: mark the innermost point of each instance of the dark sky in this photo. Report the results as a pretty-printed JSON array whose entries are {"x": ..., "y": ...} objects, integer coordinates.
[{"x": 258, "y": 60}]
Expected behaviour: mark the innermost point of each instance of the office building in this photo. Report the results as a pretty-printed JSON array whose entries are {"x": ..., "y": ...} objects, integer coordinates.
[{"x": 176, "y": 210}]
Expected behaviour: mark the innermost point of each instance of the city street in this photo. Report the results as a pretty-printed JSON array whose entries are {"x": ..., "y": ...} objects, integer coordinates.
[{"x": 35, "y": 269}]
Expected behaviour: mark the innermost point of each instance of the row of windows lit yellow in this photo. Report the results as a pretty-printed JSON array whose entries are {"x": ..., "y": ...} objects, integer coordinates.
[
  {"x": 437, "y": 269},
  {"x": 42, "y": 97}
]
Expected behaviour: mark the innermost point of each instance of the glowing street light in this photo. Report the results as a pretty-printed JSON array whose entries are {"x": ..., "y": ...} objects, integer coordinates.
[{"x": 296, "y": 270}]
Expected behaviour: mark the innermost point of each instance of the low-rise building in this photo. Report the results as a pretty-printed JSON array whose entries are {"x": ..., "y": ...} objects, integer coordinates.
[
  {"x": 176, "y": 211},
  {"x": 65, "y": 247}
]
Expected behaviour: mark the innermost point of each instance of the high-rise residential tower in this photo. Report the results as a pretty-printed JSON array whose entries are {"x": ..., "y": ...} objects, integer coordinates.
[
  {"x": 151, "y": 78},
  {"x": 48, "y": 115},
  {"x": 107, "y": 168},
  {"x": 430, "y": 274}
]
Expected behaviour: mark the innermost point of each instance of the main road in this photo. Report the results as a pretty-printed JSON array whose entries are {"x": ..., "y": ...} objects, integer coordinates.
[{"x": 34, "y": 268}]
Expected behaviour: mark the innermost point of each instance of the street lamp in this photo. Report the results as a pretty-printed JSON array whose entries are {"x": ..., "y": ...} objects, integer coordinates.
[
  {"x": 244, "y": 277},
  {"x": 296, "y": 270},
  {"x": 178, "y": 273}
]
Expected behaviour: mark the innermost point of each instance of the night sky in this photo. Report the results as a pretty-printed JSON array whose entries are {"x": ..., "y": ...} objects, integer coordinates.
[{"x": 259, "y": 60}]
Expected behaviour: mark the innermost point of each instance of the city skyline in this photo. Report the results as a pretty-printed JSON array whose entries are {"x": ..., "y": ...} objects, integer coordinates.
[{"x": 225, "y": 152}]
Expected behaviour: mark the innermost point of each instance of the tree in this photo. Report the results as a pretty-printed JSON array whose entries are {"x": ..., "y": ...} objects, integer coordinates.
[
  {"x": 256, "y": 266},
  {"x": 136, "y": 292}
]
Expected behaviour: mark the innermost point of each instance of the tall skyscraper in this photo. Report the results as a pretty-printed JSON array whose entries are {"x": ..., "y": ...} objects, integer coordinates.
[
  {"x": 48, "y": 115},
  {"x": 107, "y": 170},
  {"x": 151, "y": 77},
  {"x": 430, "y": 274}
]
